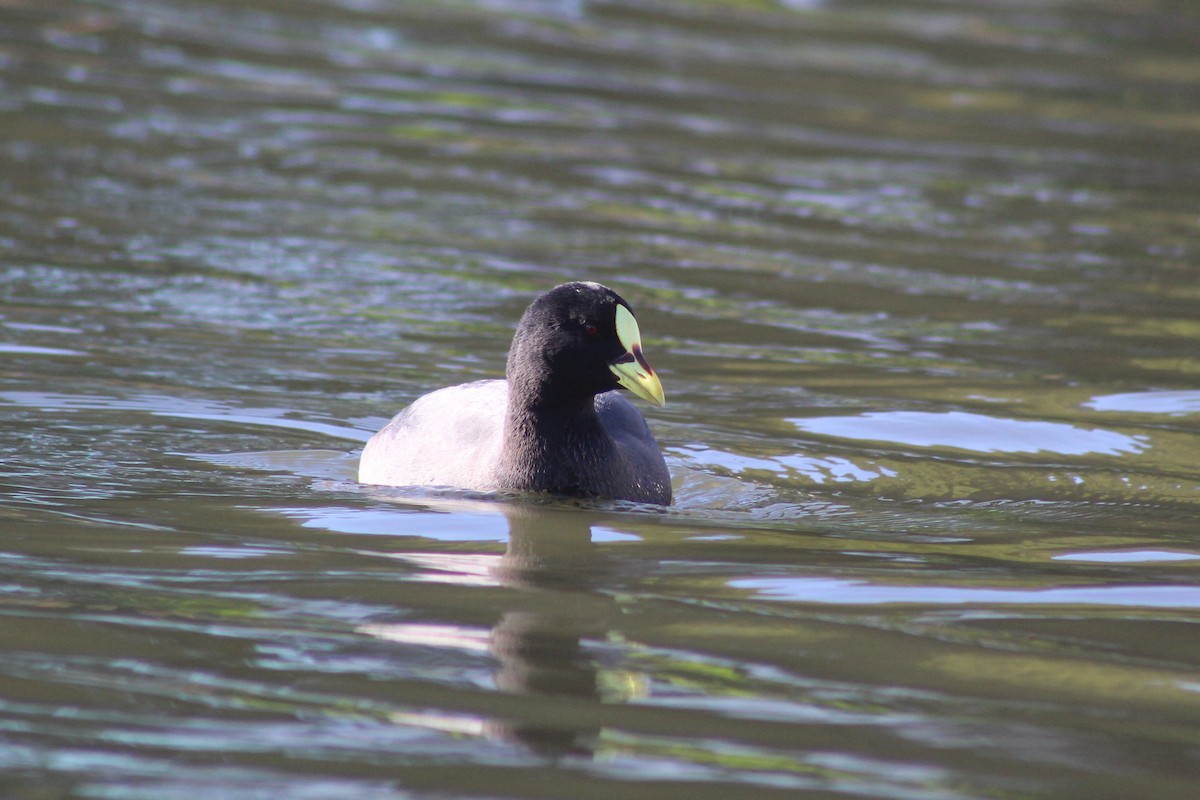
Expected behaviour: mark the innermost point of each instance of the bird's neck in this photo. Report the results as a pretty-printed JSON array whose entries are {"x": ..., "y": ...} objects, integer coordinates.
[{"x": 551, "y": 447}]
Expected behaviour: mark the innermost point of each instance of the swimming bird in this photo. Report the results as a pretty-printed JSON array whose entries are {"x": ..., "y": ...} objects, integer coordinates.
[{"x": 553, "y": 425}]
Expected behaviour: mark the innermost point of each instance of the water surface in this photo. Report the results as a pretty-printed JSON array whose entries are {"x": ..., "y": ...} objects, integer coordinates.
[{"x": 921, "y": 284}]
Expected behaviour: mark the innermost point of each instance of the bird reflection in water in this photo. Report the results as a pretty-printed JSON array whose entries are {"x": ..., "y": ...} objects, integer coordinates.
[
  {"x": 541, "y": 648},
  {"x": 541, "y": 639}
]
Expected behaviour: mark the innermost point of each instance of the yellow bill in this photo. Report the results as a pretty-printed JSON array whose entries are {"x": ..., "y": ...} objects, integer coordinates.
[{"x": 631, "y": 369}]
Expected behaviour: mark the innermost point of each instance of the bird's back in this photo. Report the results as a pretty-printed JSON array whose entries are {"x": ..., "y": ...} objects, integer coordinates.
[{"x": 451, "y": 437}]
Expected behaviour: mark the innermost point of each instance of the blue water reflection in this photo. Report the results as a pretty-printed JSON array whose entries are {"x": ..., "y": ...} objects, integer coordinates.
[
  {"x": 966, "y": 431},
  {"x": 842, "y": 591},
  {"x": 1174, "y": 403}
]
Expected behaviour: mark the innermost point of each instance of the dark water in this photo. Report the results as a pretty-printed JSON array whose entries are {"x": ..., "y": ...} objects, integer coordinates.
[{"x": 922, "y": 283}]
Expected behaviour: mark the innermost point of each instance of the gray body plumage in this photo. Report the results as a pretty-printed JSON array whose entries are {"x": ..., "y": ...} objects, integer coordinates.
[{"x": 454, "y": 437}]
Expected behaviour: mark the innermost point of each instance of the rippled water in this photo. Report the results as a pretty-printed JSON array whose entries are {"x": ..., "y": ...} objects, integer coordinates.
[{"x": 921, "y": 282}]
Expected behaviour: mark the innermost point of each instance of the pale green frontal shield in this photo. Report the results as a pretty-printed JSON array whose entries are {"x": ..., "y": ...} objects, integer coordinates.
[{"x": 631, "y": 369}]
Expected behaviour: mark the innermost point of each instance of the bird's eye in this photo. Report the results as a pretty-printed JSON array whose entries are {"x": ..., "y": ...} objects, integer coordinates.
[{"x": 590, "y": 329}]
